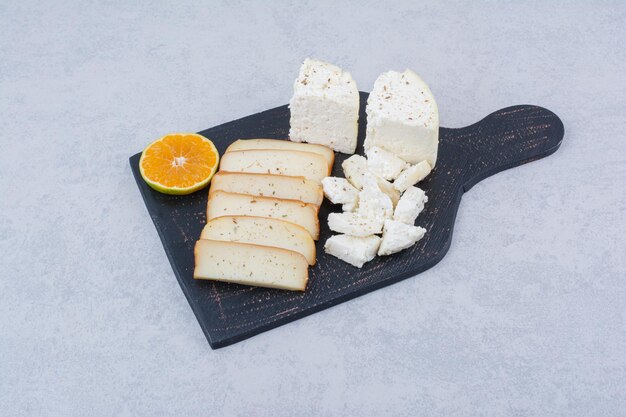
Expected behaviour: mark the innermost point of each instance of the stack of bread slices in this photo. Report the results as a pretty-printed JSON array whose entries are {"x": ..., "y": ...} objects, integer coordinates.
[{"x": 262, "y": 214}]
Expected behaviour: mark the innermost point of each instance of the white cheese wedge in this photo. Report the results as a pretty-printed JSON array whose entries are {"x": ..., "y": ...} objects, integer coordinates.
[
  {"x": 410, "y": 205},
  {"x": 412, "y": 175},
  {"x": 222, "y": 203},
  {"x": 247, "y": 144},
  {"x": 351, "y": 249},
  {"x": 261, "y": 231},
  {"x": 354, "y": 224},
  {"x": 402, "y": 117},
  {"x": 247, "y": 264},
  {"x": 324, "y": 107},
  {"x": 340, "y": 191},
  {"x": 373, "y": 203},
  {"x": 267, "y": 185},
  {"x": 310, "y": 165},
  {"x": 388, "y": 188},
  {"x": 354, "y": 169},
  {"x": 384, "y": 164},
  {"x": 398, "y": 236}
]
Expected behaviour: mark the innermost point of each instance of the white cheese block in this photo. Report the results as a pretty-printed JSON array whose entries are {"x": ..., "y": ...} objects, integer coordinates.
[
  {"x": 324, "y": 107},
  {"x": 354, "y": 224},
  {"x": 384, "y": 164},
  {"x": 247, "y": 144},
  {"x": 247, "y": 264},
  {"x": 340, "y": 191},
  {"x": 373, "y": 203},
  {"x": 222, "y": 203},
  {"x": 398, "y": 236},
  {"x": 351, "y": 249},
  {"x": 412, "y": 175},
  {"x": 261, "y": 231},
  {"x": 267, "y": 185},
  {"x": 354, "y": 169},
  {"x": 388, "y": 188},
  {"x": 310, "y": 165},
  {"x": 402, "y": 117},
  {"x": 410, "y": 205}
]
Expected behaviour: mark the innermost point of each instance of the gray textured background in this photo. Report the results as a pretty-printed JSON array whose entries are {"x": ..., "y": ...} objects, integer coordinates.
[{"x": 525, "y": 316}]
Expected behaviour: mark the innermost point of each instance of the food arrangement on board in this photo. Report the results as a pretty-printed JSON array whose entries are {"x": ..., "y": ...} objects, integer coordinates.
[{"x": 263, "y": 205}]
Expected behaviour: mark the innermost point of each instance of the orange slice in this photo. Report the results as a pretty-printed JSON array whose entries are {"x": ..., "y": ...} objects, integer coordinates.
[{"x": 179, "y": 163}]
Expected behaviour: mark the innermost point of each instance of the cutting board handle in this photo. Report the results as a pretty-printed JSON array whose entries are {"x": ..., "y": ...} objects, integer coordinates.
[{"x": 506, "y": 138}]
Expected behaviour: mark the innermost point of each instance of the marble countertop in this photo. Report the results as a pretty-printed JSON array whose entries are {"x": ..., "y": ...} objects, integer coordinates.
[{"x": 526, "y": 315}]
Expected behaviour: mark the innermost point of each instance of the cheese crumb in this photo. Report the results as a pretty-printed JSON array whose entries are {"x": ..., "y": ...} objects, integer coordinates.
[
  {"x": 410, "y": 205},
  {"x": 354, "y": 224},
  {"x": 351, "y": 249},
  {"x": 355, "y": 168},
  {"x": 412, "y": 175},
  {"x": 340, "y": 191},
  {"x": 398, "y": 236},
  {"x": 373, "y": 203},
  {"x": 384, "y": 164},
  {"x": 388, "y": 188}
]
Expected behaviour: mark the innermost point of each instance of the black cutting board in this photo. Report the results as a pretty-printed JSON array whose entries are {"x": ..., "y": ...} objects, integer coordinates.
[{"x": 229, "y": 313}]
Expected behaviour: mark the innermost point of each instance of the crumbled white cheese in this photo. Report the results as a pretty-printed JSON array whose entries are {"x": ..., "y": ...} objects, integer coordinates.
[
  {"x": 402, "y": 117},
  {"x": 384, "y": 164},
  {"x": 412, "y": 175},
  {"x": 354, "y": 224},
  {"x": 398, "y": 236},
  {"x": 388, "y": 188},
  {"x": 351, "y": 249},
  {"x": 324, "y": 107},
  {"x": 350, "y": 207},
  {"x": 354, "y": 168},
  {"x": 410, "y": 205},
  {"x": 373, "y": 202},
  {"x": 340, "y": 191}
]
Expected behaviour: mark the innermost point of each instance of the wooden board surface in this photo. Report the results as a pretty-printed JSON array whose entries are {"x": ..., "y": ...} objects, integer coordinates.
[{"x": 229, "y": 313}]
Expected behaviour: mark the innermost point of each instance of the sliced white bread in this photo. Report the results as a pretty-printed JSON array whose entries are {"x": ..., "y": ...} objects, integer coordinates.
[
  {"x": 222, "y": 203},
  {"x": 261, "y": 231},
  {"x": 244, "y": 263},
  {"x": 310, "y": 165},
  {"x": 267, "y": 185},
  {"x": 247, "y": 144}
]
